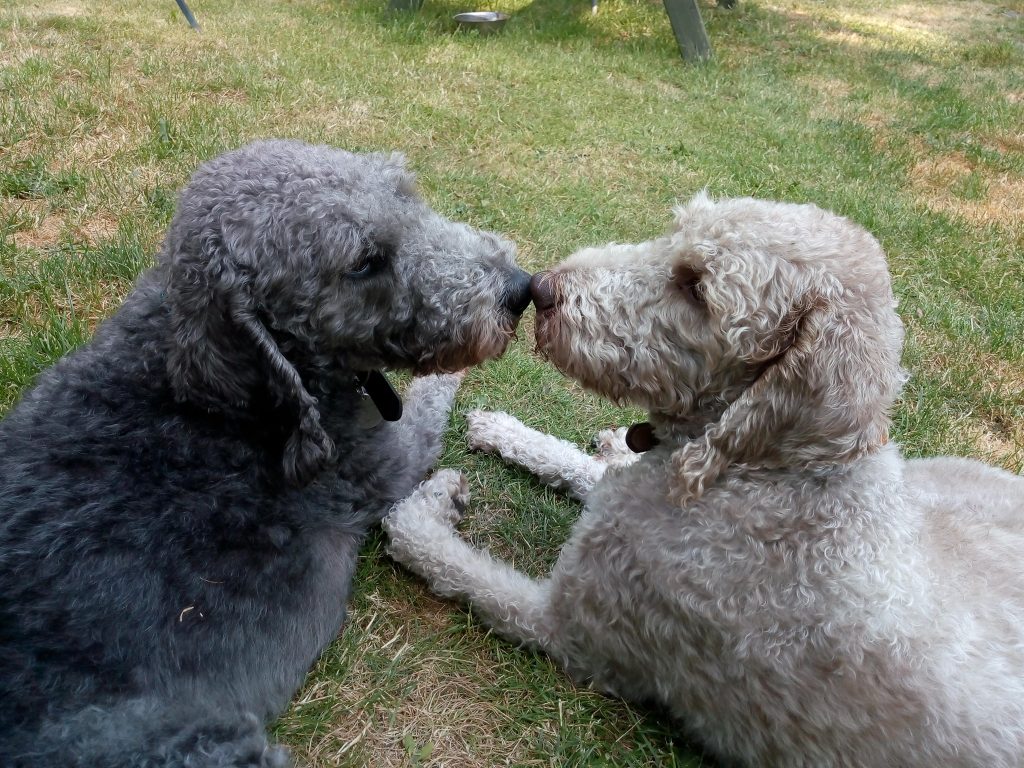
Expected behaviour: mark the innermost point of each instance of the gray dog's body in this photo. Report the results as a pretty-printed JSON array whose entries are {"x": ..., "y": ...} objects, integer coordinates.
[
  {"x": 182, "y": 500},
  {"x": 772, "y": 572}
]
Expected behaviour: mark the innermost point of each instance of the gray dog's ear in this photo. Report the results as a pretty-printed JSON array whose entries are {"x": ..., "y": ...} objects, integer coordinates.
[
  {"x": 208, "y": 364},
  {"x": 394, "y": 172},
  {"x": 309, "y": 448},
  {"x": 822, "y": 396},
  {"x": 222, "y": 355}
]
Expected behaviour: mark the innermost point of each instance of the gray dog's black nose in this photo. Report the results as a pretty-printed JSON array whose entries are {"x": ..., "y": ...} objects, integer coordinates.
[
  {"x": 518, "y": 298},
  {"x": 542, "y": 288}
]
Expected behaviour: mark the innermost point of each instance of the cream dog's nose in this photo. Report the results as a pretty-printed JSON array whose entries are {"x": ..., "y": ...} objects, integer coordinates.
[{"x": 542, "y": 288}]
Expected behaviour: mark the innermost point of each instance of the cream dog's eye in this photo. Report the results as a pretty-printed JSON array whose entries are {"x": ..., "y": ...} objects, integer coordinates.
[{"x": 687, "y": 279}]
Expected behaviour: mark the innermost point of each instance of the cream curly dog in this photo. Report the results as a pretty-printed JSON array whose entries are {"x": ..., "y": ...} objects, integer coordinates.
[{"x": 771, "y": 571}]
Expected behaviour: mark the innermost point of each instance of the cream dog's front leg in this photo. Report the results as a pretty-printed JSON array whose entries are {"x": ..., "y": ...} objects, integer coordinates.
[
  {"x": 421, "y": 530},
  {"x": 556, "y": 462}
]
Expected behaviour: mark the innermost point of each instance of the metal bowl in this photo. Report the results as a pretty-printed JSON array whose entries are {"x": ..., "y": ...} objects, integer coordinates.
[{"x": 486, "y": 22}]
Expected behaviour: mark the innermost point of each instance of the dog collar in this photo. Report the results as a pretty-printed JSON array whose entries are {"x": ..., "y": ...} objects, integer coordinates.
[
  {"x": 640, "y": 438},
  {"x": 379, "y": 400}
]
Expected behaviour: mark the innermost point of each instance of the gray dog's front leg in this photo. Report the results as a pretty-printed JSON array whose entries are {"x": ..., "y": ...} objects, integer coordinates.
[
  {"x": 427, "y": 403},
  {"x": 423, "y": 539}
]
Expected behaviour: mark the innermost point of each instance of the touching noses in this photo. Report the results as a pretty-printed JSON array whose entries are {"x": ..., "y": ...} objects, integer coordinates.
[
  {"x": 518, "y": 297},
  {"x": 524, "y": 288}
]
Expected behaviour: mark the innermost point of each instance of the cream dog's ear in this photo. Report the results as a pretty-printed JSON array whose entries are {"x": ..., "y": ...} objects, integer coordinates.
[{"x": 823, "y": 395}]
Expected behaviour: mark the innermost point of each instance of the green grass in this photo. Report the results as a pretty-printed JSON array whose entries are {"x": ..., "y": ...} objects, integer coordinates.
[{"x": 567, "y": 129}]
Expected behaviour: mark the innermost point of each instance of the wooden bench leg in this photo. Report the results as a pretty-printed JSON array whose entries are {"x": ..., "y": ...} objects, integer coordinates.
[{"x": 688, "y": 27}]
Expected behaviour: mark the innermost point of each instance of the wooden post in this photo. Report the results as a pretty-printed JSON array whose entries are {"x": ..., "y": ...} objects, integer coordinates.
[{"x": 688, "y": 27}]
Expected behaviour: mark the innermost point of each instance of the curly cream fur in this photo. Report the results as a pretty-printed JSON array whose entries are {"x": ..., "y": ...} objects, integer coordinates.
[{"x": 773, "y": 573}]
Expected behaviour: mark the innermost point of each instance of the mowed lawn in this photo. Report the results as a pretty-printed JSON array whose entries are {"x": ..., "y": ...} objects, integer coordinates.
[{"x": 566, "y": 129}]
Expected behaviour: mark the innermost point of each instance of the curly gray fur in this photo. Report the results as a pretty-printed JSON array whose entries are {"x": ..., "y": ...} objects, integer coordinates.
[{"x": 182, "y": 500}]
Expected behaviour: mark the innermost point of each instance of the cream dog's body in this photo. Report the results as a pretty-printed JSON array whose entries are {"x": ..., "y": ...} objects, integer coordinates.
[{"x": 772, "y": 572}]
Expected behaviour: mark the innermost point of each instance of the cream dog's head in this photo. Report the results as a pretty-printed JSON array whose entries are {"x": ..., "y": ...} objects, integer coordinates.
[{"x": 766, "y": 330}]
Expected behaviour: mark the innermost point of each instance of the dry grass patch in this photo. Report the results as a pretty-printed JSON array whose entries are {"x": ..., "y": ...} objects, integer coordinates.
[
  {"x": 10, "y": 330},
  {"x": 352, "y": 117},
  {"x": 953, "y": 184},
  {"x": 52, "y": 228},
  {"x": 936, "y": 21},
  {"x": 998, "y": 445},
  {"x": 937, "y": 24},
  {"x": 828, "y": 88},
  {"x": 16, "y": 50},
  {"x": 98, "y": 228},
  {"x": 42, "y": 9},
  {"x": 407, "y": 699},
  {"x": 47, "y": 232},
  {"x": 1002, "y": 205},
  {"x": 941, "y": 28},
  {"x": 99, "y": 147},
  {"x": 24, "y": 213},
  {"x": 37, "y": 225},
  {"x": 1011, "y": 143},
  {"x": 830, "y": 99},
  {"x": 988, "y": 389}
]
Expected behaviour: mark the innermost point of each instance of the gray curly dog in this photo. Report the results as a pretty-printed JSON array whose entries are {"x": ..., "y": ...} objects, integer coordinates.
[
  {"x": 772, "y": 572},
  {"x": 182, "y": 499}
]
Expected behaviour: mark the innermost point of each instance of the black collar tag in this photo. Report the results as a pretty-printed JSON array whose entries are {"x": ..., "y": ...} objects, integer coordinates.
[
  {"x": 640, "y": 437},
  {"x": 384, "y": 397}
]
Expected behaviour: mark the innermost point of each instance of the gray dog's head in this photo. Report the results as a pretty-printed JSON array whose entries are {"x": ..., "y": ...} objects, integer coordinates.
[{"x": 289, "y": 264}]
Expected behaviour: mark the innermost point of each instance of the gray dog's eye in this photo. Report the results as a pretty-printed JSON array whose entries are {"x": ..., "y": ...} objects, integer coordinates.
[
  {"x": 687, "y": 279},
  {"x": 373, "y": 260}
]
